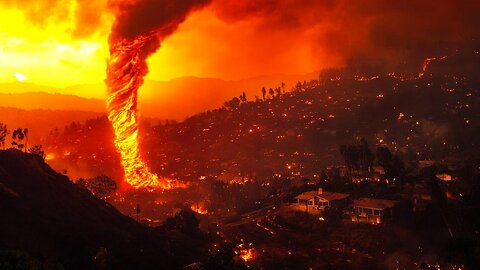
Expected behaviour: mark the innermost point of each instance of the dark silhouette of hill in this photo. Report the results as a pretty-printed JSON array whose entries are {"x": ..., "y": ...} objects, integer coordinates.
[{"x": 48, "y": 217}]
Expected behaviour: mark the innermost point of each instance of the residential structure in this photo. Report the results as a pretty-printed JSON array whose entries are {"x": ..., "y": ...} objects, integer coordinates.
[
  {"x": 372, "y": 210},
  {"x": 318, "y": 200}
]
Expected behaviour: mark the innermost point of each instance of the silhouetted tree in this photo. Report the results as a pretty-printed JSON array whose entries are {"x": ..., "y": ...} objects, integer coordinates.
[
  {"x": 3, "y": 134},
  {"x": 278, "y": 91},
  {"x": 25, "y": 133},
  {"x": 232, "y": 104},
  {"x": 264, "y": 92},
  {"x": 366, "y": 156},
  {"x": 18, "y": 135},
  {"x": 184, "y": 221},
  {"x": 243, "y": 97},
  {"x": 384, "y": 158},
  {"x": 37, "y": 150},
  {"x": 298, "y": 86},
  {"x": 271, "y": 92}
]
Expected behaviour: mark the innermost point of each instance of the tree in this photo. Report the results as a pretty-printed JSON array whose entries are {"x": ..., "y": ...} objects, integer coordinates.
[
  {"x": 232, "y": 104},
  {"x": 3, "y": 134},
  {"x": 184, "y": 221},
  {"x": 243, "y": 97},
  {"x": 18, "y": 135},
  {"x": 365, "y": 155},
  {"x": 384, "y": 158},
  {"x": 271, "y": 92},
  {"x": 278, "y": 91},
  {"x": 264, "y": 92},
  {"x": 25, "y": 134},
  {"x": 298, "y": 86},
  {"x": 37, "y": 150}
]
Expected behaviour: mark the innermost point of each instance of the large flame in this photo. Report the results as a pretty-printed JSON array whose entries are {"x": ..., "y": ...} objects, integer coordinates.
[{"x": 125, "y": 71}]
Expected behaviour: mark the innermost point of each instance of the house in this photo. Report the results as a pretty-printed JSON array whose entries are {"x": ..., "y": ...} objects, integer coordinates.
[
  {"x": 378, "y": 174},
  {"x": 371, "y": 210},
  {"x": 318, "y": 200}
]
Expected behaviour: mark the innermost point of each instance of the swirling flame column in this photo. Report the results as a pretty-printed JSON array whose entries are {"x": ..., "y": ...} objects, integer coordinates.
[{"x": 125, "y": 71}]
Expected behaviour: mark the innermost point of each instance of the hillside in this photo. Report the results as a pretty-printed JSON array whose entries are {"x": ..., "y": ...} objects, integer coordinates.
[
  {"x": 299, "y": 133},
  {"x": 48, "y": 217},
  {"x": 50, "y": 101}
]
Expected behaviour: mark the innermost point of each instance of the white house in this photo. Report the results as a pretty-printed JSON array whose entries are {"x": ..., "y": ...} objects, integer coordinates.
[{"x": 316, "y": 201}]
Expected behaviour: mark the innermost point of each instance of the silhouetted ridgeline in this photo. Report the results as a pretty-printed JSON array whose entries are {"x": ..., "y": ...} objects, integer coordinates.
[{"x": 48, "y": 220}]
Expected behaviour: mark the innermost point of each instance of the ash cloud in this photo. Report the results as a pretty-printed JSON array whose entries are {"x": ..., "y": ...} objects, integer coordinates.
[
  {"x": 141, "y": 17},
  {"x": 374, "y": 30}
]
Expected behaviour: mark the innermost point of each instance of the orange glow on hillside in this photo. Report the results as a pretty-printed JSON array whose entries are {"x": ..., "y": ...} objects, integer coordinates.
[{"x": 246, "y": 252}]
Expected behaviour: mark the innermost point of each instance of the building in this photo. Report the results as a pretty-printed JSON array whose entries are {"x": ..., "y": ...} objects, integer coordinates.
[
  {"x": 370, "y": 210},
  {"x": 316, "y": 201}
]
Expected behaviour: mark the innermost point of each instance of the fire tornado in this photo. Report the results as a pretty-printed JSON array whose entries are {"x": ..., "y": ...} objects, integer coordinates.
[
  {"x": 125, "y": 72},
  {"x": 137, "y": 32}
]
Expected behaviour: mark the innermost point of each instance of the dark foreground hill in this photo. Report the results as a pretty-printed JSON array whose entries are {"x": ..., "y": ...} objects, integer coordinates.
[{"x": 46, "y": 217}]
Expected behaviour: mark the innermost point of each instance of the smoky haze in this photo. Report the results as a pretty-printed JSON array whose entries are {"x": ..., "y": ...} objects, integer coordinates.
[{"x": 330, "y": 32}]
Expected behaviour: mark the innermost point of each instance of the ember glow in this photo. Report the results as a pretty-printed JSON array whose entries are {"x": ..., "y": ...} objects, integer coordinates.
[
  {"x": 199, "y": 209},
  {"x": 245, "y": 252}
]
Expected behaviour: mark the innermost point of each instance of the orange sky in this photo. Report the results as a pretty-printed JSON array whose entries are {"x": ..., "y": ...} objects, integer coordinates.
[
  {"x": 51, "y": 53},
  {"x": 64, "y": 42}
]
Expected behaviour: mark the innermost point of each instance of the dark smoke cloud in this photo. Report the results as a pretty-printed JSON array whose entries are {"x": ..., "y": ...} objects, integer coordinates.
[
  {"x": 375, "y": 30},
  {"x": 335, "y": 31},
  {"x": 145, "y": 16}
]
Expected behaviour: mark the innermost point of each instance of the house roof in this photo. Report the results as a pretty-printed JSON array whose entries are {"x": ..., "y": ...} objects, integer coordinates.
[
  {"x": 329, "y": 196},
  {"x": 374, "y": 203},
  {"x": 332, "y": 196},
  {"x": 307, "y": 195}
]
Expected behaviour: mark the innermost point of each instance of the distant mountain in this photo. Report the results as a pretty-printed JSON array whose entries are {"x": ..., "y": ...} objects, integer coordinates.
[
  {"x": 51, "y": 101},
  {"x": 47, "y": 217},
  {"x": 173, "y": 99},
  {"x": 41, "y": 122}
]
